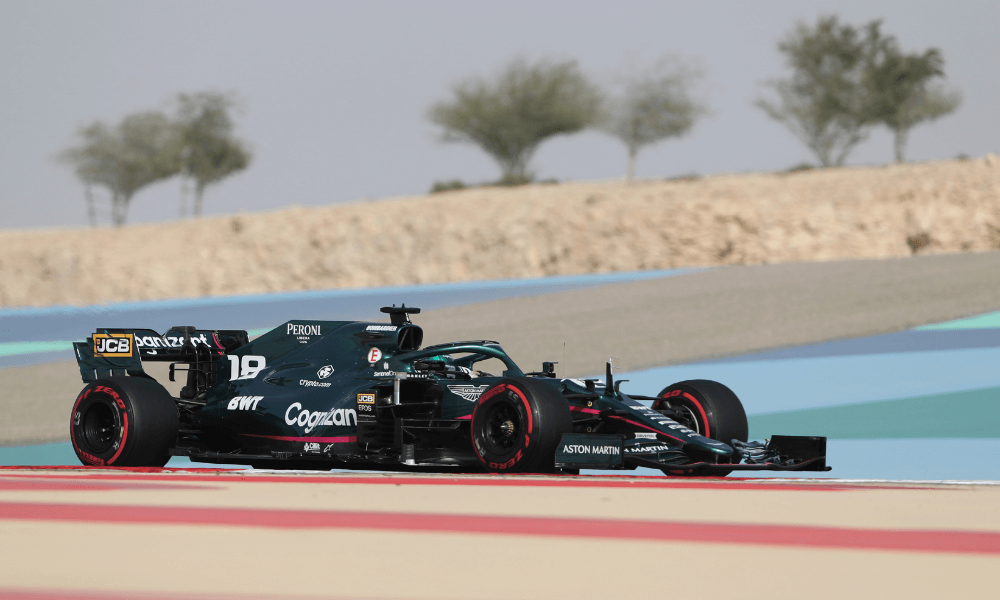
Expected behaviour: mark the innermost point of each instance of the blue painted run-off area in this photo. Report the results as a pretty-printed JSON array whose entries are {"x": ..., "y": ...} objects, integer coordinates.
[{"x": 919, "y": 404}]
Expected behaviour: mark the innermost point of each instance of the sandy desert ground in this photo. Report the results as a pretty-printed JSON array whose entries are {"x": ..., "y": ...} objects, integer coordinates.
[{"x": 494, "y": 233}]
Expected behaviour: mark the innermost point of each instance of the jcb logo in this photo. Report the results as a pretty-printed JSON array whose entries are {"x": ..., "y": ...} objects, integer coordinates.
[{"x": 114, "y": 345}]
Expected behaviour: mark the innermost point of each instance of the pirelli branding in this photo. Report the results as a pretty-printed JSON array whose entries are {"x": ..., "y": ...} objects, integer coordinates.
[{"x": 114, "y": 345}]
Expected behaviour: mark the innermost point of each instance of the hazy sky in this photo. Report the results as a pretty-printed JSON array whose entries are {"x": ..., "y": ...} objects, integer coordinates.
[{"x": 335, "y": 93}]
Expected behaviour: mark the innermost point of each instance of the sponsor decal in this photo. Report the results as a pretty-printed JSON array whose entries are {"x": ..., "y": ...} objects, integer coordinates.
[
  {"x": 365, "y": 408},
  {"x": 328, "y": 448},
  {"x": 468, "y": 392},
  {"x": 645, "y": 436},
  {"x": 678, "y": 427},
  {"x": 311, "y": 419},
  {"x": 661, "y": 420},
  {"x": 114, "y": 345},
  {"x": 597, "y": 451},
  {"x": 374, "y": 355},
  {"x": 244, "y": 403},
  {"x": 168, "y": 341},
  {"x": 309, "y": 383},
  {"x": 385, "y": 373},
  {"x": 310, "y": 447},
  {"x": 366, "y": 398},
  {"x": 245, "y": 367},
  {"x": 380, "y": 328},
  {"x": 303, "y": 333},
  {"x": 585, "y": 449},
  {"x": 649, "y": 449},
  {"x": 324, "y": 372},
  {"x": 303, "y": 329}
]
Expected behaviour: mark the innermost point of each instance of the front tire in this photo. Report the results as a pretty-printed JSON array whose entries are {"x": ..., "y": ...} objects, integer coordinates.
[
  {"x": 707, "y": 407},
  {"x": 124, "y": 422},
  {"x": 517, "y": 425}
]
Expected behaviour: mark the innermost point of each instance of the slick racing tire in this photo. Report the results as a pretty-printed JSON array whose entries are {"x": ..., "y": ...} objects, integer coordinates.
[
  {"x": 708, "y": 407},
  {"x": 124, "y": 422},
  {"x": 517, "y": 425}
]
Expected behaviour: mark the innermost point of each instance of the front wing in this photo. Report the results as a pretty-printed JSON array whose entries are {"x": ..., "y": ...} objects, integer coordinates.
[{"x": 780, "y": 453}]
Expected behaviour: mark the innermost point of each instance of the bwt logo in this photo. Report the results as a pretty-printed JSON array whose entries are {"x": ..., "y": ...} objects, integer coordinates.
[
  {"x": 113, "y": 345},
  {"x": 303, "y": 329},
  {"x": 244, "y": 403}
]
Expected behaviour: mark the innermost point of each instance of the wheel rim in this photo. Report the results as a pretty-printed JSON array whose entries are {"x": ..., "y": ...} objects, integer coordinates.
[
  {"x": 99, "y": 426},
  {"x": 689, "y": 419},
  {"x": 503, "y": 428},
  {"x": 683, "y": 414}
]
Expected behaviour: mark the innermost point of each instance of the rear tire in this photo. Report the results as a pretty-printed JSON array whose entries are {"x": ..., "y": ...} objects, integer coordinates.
[
  {"x": 714, "y": 410},
  {"x": 124, "y": 422},
  {"x": 517, "y": 425}
]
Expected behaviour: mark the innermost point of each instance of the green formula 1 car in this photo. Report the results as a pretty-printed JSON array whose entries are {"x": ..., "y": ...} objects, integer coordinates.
[{"x": 361, "y": 395}]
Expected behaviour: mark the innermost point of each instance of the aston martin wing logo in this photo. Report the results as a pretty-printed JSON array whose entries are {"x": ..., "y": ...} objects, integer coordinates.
[{"x": 468, "y": 392}]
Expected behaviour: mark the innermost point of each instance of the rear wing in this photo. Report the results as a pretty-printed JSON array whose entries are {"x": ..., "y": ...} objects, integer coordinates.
[{"x": 110, "y": 352}]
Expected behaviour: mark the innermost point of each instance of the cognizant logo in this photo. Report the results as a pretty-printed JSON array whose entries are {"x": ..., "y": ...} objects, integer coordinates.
[{"x": 294, "y": 415}]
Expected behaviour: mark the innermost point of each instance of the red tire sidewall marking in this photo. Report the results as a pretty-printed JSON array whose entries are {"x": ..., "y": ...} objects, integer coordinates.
[
  {"x": 701, "y": 409},
  {"x": 527, "y": 437},
  {"x": 85, "y": 456},
  {"x": 527, "y": 409},
  {"x": 489, "y": 394},
  {"x": 704, "y": 417},
  {"x": 123, "y": 413}
]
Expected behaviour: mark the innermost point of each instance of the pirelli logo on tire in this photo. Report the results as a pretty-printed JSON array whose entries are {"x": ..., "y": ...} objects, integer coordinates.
[{"x": 114, "y": 345}]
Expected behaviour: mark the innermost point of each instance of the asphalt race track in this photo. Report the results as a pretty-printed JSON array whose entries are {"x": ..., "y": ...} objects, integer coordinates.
[{"x": 907, "y": 402}]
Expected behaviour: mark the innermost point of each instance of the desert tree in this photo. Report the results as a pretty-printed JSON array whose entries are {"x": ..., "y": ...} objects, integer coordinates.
[
  {"x": 510, "y": 115},
  {"x": 901, "y": 88},
  {"x": 651, "y": 107},
  {"x": 143, "y": 149},
  {"x": 823, "y": 101},
  {"x": 210, "y": 151}
]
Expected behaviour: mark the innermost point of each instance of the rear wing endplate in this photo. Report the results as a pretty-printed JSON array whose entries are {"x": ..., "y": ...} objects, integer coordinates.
[{"x": 109, "y": 352}]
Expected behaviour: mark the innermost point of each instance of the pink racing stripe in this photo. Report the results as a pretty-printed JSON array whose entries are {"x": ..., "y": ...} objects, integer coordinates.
[
  {"x": 86, "y": 484},
  {"x": 962, "y": 542},
  {"x": 51, "y": 594},
  {"x": 319, "y": 440}
]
